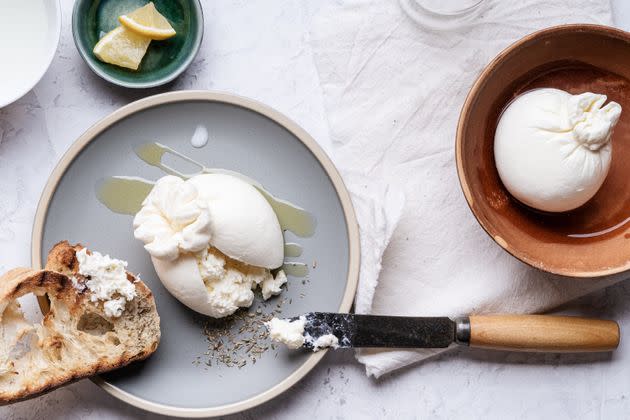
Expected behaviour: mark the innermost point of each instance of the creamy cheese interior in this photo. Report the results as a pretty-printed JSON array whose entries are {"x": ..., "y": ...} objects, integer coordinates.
[
  {"x": 213, "y": 239},
  {"x": 106, "y": 279}
]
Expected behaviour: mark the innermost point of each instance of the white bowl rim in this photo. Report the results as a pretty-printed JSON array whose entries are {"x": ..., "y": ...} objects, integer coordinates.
[{"x": 49, "y": 59}]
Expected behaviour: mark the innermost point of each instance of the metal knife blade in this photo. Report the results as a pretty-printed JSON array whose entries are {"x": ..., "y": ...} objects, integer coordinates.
[{"x": 379, "y": 331}]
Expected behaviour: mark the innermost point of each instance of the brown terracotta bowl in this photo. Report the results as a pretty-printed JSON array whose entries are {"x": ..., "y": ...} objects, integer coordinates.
[{"x": 593, "y": 240}]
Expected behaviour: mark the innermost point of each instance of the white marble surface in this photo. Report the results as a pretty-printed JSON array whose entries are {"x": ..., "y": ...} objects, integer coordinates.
[{"x": 259, "y": 49}]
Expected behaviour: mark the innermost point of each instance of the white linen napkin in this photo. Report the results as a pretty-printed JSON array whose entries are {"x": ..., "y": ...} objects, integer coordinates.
[{"x": 393, "y": 92}]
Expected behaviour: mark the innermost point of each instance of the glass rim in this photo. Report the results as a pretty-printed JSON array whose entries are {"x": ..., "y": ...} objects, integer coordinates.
[{"x": 453, "y": 13}]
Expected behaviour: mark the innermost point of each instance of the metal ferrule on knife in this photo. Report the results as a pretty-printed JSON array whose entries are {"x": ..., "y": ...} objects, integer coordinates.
[{"x": 462, "y": 331}]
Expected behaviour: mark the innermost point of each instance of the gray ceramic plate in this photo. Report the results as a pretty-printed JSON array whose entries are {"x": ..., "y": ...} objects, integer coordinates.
[{"x": 245, "y": 136}]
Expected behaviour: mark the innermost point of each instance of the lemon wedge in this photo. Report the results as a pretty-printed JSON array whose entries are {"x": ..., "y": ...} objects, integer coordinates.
[
  {"x": 149, "y": 22},
  {"x": 122, "y": 47}
]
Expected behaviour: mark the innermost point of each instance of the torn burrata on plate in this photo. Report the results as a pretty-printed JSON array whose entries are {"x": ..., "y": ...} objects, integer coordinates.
[{"x": 213, "y": 239}]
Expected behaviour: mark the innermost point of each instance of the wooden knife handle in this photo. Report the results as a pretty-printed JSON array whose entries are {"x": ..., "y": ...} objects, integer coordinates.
[{"x": 543, "y": 333}]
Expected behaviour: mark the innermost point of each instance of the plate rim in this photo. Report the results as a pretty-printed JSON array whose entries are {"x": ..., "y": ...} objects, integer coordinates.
[{"x": 307, "y": 140}]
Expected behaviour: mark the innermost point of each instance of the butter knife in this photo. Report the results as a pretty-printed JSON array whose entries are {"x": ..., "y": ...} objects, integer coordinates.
[{"x": 531, "y": 333}]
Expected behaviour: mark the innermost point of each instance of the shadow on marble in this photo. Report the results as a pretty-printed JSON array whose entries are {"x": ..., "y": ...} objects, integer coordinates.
[
  {"x": 27, "y": 102},
  {"x": 118, "y": 94}
]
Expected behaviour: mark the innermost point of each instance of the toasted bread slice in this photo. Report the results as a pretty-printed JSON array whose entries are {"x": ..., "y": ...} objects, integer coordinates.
[{"x": 75, "y": 338}]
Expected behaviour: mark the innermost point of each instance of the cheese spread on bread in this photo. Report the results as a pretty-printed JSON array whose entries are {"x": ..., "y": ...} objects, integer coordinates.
[{"x": 106, "y": 278}]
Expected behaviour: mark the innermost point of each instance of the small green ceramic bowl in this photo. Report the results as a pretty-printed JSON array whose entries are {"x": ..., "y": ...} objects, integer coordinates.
[{"x": 164, "y": 60}]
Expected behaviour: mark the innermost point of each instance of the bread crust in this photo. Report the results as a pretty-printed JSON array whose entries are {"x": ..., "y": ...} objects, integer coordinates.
[{"x": 133, "y": 336}]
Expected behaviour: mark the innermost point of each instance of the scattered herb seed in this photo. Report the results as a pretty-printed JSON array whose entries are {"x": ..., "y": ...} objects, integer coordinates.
[{"x": 242, "y": 337}]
